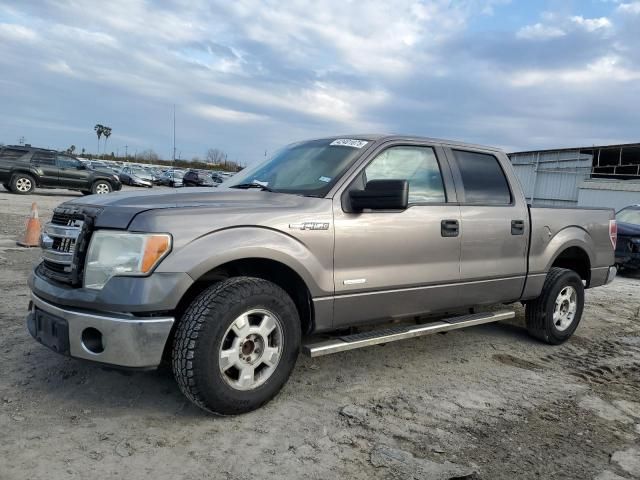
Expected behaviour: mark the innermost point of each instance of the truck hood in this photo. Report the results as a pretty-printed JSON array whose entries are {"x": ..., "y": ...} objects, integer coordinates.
[{"x": 117, "y": 210}]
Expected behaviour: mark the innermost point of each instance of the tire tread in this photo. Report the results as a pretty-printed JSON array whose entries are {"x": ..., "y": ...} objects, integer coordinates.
[
  {"x": 218, "y": 297},
  {"x": 535, "y": 313}
]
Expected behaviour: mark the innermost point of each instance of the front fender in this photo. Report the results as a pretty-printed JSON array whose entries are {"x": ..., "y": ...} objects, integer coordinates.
[{"x": 214, "y": 249}]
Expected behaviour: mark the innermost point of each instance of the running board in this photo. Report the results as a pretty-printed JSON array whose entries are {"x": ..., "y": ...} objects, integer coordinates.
[{"x": 401, "y": 332}]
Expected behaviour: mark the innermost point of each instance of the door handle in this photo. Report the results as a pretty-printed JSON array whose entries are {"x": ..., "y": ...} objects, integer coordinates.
[
  {"x": 517, "y": 227},
  {"x": 449, "y": 228}
]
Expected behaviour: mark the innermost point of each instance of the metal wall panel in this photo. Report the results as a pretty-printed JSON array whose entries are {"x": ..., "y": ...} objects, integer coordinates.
[
  {"x": 607, "y": 193},
  {"x": 552, "y": 178}
]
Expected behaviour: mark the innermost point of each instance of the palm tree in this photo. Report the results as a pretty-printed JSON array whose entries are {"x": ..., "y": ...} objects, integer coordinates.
[
  {"x": 107, "y": 133},
  {"x": 99, "y": 131}
]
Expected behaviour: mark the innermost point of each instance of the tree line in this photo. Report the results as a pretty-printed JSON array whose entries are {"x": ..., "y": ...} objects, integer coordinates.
[{"x": 214, "y": 159}]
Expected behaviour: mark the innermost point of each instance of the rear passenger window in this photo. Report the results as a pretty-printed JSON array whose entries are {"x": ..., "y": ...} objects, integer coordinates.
[{"x": 483, "y": 179}]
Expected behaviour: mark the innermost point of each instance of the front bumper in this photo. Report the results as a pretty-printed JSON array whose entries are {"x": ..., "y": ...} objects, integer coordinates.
[
  {"x": 158, "y": 292},
  {"x": 111, "y": 338},
  {"x": 628, "y": 260}
]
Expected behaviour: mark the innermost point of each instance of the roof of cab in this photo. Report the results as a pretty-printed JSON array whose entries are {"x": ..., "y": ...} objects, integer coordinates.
[{"x": 381, "y": 138}]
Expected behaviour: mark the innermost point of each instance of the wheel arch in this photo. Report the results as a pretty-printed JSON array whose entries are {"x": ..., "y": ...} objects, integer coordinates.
[
  {"x": 24, "y": 171},
  {"x": 574, "y": 258},
  {"x": 572, "y": 248},
  {"x": 265, "y": 268}
]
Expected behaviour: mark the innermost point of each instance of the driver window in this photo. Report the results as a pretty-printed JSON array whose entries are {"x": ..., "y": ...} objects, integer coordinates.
[{"x": 417, "y": 165}]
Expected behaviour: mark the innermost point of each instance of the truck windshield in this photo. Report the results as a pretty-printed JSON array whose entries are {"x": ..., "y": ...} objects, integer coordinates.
[{"x": 307, "y": 168}]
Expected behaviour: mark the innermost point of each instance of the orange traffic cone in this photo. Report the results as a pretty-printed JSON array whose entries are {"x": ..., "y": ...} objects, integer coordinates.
[{"x": 32, "y": 234}]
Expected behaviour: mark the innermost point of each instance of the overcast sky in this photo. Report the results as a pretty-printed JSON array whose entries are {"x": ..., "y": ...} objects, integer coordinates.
[{"x": 249, "y": 75}]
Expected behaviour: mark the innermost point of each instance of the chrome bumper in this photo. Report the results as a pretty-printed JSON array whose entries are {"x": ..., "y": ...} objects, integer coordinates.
[
  {"x": 111, "y": 338},
  {"x": 613, "y": 271}
]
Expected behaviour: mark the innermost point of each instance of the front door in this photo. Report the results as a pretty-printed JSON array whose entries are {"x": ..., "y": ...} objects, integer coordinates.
[{"x": 392, "y": 264}]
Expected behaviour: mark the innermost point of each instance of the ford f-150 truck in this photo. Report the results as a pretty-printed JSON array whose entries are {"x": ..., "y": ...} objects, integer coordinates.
[{"x": 301, "y": 252}]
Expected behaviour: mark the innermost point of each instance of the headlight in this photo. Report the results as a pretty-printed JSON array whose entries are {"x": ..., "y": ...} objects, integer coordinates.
[{"x": 123, "y": 254}]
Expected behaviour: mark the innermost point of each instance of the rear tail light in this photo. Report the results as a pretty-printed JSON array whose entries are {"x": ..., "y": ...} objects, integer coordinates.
[{"x": 613, "y": 232}]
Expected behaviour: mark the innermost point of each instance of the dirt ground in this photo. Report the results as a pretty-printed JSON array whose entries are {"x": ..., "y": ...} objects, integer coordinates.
[{"x": 482, "y": 403}]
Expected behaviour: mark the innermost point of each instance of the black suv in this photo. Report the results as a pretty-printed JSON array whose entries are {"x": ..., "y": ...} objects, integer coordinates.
[
  {"x": 195, "y": 178},
  {"x": 23, "y": 168}
]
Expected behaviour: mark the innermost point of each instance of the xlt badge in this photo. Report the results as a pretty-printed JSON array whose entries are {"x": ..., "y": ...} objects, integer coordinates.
[{"x": 309, "y": 226}]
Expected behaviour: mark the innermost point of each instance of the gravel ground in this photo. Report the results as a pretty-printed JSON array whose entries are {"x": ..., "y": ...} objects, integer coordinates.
[{"x": 483, "y": 403}]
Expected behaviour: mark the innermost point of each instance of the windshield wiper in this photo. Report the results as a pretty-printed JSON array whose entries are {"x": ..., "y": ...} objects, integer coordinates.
[{"x": 252, "y": 185}]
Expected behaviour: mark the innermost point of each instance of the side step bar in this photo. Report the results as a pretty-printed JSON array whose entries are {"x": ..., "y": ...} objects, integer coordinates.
[{"x": 401, "y": 332}]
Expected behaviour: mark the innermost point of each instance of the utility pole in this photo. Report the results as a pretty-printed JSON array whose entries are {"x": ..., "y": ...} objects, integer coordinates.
[
  {"x": 126, "y": 149},
  {"x": 174, "y": 133}
]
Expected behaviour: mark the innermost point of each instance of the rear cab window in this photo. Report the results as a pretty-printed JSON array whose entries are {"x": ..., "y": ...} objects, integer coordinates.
[{"x": 483, "y": 180}]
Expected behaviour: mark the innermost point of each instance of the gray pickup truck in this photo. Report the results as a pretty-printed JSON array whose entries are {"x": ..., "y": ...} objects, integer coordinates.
[{"x": 313, "y": 249}]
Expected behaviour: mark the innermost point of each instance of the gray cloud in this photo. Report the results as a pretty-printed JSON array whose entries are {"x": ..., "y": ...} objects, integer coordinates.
[{"x": 248, "y": 76}]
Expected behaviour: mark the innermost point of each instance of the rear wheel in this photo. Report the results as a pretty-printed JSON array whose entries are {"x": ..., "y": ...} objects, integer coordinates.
[
  {"x": 236, "y": 345},
  {"x": 101, "y": 187},
  {"x": 22, "y": 183},
  {"x": 556, "y": 313}
]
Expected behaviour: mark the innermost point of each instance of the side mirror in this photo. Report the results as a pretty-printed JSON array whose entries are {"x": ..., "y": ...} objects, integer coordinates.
[
  {"x": 81, "y": 166},
  {"x": 381, "y": 195}
]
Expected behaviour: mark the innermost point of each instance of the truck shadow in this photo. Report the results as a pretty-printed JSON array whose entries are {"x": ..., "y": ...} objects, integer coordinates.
[{"x": 74, "y": 387}]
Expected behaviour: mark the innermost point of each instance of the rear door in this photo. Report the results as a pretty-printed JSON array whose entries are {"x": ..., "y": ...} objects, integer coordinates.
[
  {"x": 494, "y": 227},
  {"x": 391, "y": 264},
  {"x": 45, "y": 163},
  {"x": 71, "y": 173}
]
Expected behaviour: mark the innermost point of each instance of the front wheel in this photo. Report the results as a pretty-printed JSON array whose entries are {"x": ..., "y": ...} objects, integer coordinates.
[
  {"x": 236, "y": 345},
  {"x": 556, "y": 313}
]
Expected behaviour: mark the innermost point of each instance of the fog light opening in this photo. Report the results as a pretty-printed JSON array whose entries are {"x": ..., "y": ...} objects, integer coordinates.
[{"x": 92, "y": 340}]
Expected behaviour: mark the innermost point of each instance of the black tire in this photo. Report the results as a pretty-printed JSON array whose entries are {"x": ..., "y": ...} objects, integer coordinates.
[
  {"x": 539, "y": 312},
  {"x": 22, "y": 183},
  {"x": 101, "y": 187},
  {"x": 205, "y": 326}
]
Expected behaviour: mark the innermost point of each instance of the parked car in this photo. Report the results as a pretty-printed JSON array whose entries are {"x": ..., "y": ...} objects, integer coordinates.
[
  {"x": 195, "y": 178},
  {"x": 628, "y": 247},
  {"x": 328, "y": 234},
  {"x": 217, "y": 178},
  {"x": 22, "y": 169},
  {"x": 97, "y": 165},
  {"x": 171, "y": 178},
  {"x": 136, "y": 177}
]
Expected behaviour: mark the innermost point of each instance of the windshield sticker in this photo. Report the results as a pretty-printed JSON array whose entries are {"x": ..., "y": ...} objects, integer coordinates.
[
  {"x": 348, "y": 142},
  {"x": 325, "y": 179},
  {"x": 258, "y": 182}
]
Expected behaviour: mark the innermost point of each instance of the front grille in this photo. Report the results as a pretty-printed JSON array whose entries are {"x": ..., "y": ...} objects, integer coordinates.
[{"x": 64, "y": 243}]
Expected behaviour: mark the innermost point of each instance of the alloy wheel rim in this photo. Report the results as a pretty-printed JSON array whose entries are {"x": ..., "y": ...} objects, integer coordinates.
[
  {"x": 23, "y": 184},
  {"x": 102, "y": 188},
  {"x": 564, "y": 311},
  {"x": 251, "y": 349}
]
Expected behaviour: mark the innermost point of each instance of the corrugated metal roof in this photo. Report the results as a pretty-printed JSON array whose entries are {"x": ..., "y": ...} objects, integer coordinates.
[{"x": 587, "y": 147}]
